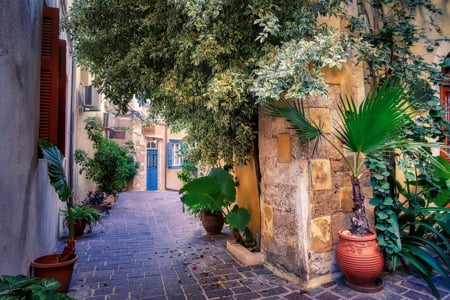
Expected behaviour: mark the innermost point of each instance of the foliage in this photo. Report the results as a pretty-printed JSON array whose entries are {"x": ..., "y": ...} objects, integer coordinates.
[
  {"x": 398, "y": 41},
  {"x": 58, "y": 180},
  {"x": 214, "y": 193},
  {"x": 188, "y": 169},
  {"x": 112, "y": 167},
  {"x": 83, "y": 212},
  {"x": 386, "y": 106},
  {"x": 195, "y": 62},
  {"x": 24, "y": 287},
  {"x": 424, "y": 231}
]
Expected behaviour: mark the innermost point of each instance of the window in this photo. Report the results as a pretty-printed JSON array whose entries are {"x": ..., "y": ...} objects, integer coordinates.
[
  {"x": 174, "y": 148},
  {"x": 445, "y": 94}
]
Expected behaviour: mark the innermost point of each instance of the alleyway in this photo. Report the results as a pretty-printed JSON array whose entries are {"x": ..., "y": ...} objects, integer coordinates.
[{"x": 147, "y": 248}]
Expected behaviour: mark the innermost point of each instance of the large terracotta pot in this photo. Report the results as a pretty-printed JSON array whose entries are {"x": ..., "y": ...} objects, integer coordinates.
[
  {"x": 212, "y": 222},
  {"x": 48, "y": 266},
  {"x": 361, "y": 261}
]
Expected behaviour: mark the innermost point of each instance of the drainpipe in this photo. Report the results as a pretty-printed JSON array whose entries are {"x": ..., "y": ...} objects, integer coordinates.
[
  {"x": 165, "y": 156},
  {"x": 71, "y": 126}
]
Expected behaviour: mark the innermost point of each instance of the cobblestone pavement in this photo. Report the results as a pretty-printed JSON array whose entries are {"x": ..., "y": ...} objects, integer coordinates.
[{"x": 147, "y": 248}]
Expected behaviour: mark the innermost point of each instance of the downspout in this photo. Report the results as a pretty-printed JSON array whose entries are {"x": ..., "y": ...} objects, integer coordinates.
[
  {"x": 71, "y": 126},
  {"x": 166, "y": 135}
]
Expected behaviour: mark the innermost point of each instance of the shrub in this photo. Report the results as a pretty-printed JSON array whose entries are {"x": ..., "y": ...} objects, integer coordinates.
[{"x": 112, "y": 167}]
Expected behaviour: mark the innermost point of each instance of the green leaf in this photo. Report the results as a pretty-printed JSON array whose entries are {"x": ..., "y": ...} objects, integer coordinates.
[
  {"x": 375, "y": 201},
  {"x": 56, "y": 170},
  {"x": 238, "y": 218}
]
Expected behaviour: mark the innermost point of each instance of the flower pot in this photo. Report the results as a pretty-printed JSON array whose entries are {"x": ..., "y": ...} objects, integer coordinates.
[
  {"x": 49, "y": 266},
  {"x": 79, "y": 226},
  {"x": 212, "y": 222},
  {"x": 361, "y": 261}
]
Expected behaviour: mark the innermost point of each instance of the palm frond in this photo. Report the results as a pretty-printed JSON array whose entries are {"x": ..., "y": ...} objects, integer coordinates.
[
  {"x": 378, "y": 124},
  {"x": 294, "y": 113}
]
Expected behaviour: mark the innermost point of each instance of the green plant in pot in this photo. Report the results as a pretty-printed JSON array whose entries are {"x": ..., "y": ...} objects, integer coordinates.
[
  {"x": 25, "y": 287},
  {"x": 213, "y": 197},
  {"x": 82, "y": 215},
  {"x": 378, "y": 125},
  {"x": 58, "y": 266},
  {"x": 113, "y": 166}
]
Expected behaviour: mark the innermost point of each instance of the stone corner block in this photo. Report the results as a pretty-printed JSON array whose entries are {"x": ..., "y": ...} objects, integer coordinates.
[
  {"x": 321, "y": 174},
  {"x": 321, "y": 238},
  {"x": 346, "y": 198},
  {"x": 268, "y": 220},
  {"x": 284, "y": 147},
  {"x": 321, "y": 117}
]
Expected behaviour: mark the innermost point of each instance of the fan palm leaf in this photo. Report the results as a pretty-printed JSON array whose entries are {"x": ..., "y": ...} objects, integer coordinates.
[
  {"x": 378, "y": 124},
  {"x": 294, "y": 113}
]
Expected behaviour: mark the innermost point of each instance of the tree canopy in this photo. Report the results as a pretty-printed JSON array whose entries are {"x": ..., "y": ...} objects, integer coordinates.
[
  {"x": 195, "y": 62},
  {"x": 205, "y": 65}
]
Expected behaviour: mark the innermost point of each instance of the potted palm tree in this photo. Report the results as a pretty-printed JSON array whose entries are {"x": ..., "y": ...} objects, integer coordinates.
[
  {"x": 58, "y": 266},
  {"x": 212, "y": 197},
  {"x": 377, "y": 125},
  {"x": 83, "y": 216}
]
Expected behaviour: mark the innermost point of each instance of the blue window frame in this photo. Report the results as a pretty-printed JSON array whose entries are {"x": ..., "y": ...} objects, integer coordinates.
[{"x": 174, "y": 160}]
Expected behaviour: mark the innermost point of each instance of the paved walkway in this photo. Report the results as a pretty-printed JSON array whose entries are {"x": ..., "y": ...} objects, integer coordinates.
[{"x": 147, "y": 248}]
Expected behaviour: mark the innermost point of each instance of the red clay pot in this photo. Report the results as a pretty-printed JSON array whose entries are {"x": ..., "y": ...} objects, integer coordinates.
[
  {"x": 361, "y": 261},
  {"x": 48, "y": 266},
  {"x": 212, "y": 222},
  {"x": 79, "y": 226}
]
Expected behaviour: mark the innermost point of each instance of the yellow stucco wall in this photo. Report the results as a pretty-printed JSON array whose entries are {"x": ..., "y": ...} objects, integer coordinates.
[{"x": 248, "y": 195}]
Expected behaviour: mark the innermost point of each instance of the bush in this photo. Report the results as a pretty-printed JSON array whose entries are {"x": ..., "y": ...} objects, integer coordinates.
[{"x": 112, "y": 167}]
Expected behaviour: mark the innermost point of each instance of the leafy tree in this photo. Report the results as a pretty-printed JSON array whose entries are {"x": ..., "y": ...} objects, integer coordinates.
[
  {"x": 112, "y": 167},
  {"x": 195, "y": 61}
]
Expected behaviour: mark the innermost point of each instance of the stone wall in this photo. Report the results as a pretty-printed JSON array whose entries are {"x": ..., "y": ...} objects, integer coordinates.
[{"x": 306, "y": 196}]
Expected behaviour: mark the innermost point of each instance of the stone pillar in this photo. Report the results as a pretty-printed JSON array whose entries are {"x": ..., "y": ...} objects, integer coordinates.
[{"x": 306, "y": 196}]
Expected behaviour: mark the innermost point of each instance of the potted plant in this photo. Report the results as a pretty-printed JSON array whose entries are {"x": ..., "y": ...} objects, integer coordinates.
[
  {"x": 58, "y": 266},
  {"x": 113, "y": 166},
  {"x": 377, "y": 125},
  {"x": 82, "y": 215},
  {"x": 212, "y": 197},
  {"x": 25, "y": 287}
]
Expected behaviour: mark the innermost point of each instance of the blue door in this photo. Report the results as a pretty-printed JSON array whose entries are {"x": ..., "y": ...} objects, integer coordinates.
[{"x": 152, "y": 169}]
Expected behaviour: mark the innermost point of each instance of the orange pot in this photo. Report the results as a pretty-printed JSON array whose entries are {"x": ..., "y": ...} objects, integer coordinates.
[
  {"x": 212, "y": 222},
  {"x": 49, "y": 266},
  {"x": 361, "y": 261}
]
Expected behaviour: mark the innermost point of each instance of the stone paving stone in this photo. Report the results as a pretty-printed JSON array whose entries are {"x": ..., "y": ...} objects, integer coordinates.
[
  {"x": 272, "y": 291},
  {"x": 245, "y": 296},
  {"x": 414, "y": 295},
  {"x": 147, "y": 248},
  {"x": 328, "y": 296}
]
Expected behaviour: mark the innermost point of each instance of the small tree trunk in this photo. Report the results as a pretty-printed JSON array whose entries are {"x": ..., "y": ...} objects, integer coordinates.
[{"x": 360, "y": 224}]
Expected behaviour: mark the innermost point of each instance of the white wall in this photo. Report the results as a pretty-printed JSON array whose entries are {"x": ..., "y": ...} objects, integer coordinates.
[{"x": 28, "y": 208}]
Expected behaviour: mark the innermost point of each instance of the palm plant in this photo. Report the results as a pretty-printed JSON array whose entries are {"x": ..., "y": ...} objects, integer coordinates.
[
  {"x": 58, "y": 180},
  {"x": 378, "y": 125}
]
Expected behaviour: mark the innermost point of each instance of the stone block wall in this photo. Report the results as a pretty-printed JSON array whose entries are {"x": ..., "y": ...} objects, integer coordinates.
[{"x": 306, "y": 197}]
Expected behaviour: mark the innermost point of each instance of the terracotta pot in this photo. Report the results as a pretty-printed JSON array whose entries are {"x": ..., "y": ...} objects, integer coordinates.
[
  {"x": 79, "y": 226},
  {"x": 361, "y": 261},
  {"x": 212, "y": 222},
  {"x": 48, "y": 266}
]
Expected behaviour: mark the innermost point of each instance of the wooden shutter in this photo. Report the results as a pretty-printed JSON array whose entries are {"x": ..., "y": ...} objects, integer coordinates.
[
  {"x": 62, "y": 83},
  {"x": 169, "y": 154},
  {"x": 48, "y": 120}
]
